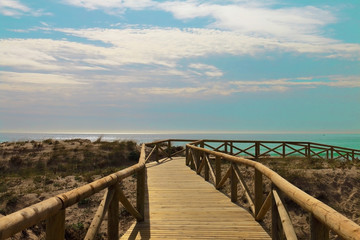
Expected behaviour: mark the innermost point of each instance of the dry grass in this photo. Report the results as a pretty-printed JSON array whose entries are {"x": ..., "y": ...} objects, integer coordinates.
[{"x": 33, "y": 171}]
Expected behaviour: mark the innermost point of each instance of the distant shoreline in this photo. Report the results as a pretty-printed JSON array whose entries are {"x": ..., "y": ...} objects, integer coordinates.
[{"x": 343, "y": 140}]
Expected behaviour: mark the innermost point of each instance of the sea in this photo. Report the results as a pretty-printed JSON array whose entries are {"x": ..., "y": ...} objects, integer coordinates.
[{"x": 341, "y": 140}]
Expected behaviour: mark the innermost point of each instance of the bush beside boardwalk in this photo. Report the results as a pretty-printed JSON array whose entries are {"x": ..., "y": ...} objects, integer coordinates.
[{"x": 33, "y": 171}]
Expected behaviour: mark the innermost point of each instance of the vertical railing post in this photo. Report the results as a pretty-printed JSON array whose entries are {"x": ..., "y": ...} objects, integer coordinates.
[
  {"x": 257, "y": 150},
  {"x": 192, "y": 155},
  {"x": 197, "y": 156},
  {"x": 353, "y": 155},
  {"x": 231, "y": 148},
  {"x": 226, "y": 147},
  {"x": 217, "y": 170},
  {"x": 283, "y": 150},
  {"x": 157, "y": 152},
  {"x": 233, "y": 181},
  {"x": 187, "y": 157},
  {"x": 206, "y": 170},
  {"x": 55, "y": 226},
  {"x": 140, "y": 193},
  {"x": 308, "y": 151},
  {"x": 258, "y": 191},
  {"x": 318, "y": 231},
  {"x": 169, "y": 149},
  {"x": 332, "y": 152},
  {"x": 113, "y": 216}
]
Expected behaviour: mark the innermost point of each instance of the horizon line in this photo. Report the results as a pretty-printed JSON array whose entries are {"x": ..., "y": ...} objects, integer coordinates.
[{"x": 160, "y": 132}]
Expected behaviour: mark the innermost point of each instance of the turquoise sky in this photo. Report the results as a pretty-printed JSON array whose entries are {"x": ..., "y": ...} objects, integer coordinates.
[{"x": 180, "y": 66}]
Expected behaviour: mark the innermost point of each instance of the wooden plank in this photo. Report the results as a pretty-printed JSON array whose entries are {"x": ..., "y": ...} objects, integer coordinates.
[
  {"x": 113, "y": 216},
  {"x": 245, "y": 187},
  {"x": 127, "y": 205},
  {"x": 140, "y": 192},
  {"x": 194, "y": 157},
  {"x": 55, "y": 226},
  {"x": 99, "y": 215},
  {"x": 318, "y": 231},
  {"x": 285, "y": 219},
  {"x": 264, "y": 208},
  {"x": 207, "y": 167},
  {"x": 233, "y": 186},
  {"x": 217, "y": 170},
  {"x": 181, "y": 205},
  {"x": 258, "y": 190},
  {"x": 223, "y": 180},
  {"x": 210, "y": 168},
  {"x": 202, "y": 164},
  {"x": 270, "y": 150},
  {"x": 150, "y": 154}
]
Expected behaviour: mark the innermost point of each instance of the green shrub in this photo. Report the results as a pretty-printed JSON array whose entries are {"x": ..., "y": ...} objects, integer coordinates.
[
  {"x": 37, "y": 179},
  {"x": 134, "y": 155},
  {"x": 13, "y": 200},
  {"x": 48, "y": 141},
  {"x": 40, "y": 166},
  {"x": 3, "y": 187},
  {"x": 84, "y": 202},
  {"x": 15, "y": 161}
]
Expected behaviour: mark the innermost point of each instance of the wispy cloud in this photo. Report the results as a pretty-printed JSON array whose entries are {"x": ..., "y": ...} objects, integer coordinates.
[
  {"x": 111, "y": 6},
  {"x": 226, "y": 88},
  {"x": 252, "y": 18},
  {"x": 208, "y": 70},
  {"x": 164, "y": 47},
  {"x": 14, "y": 8},
  {"x": 302, "y": 23},
  {"x": 39, "y": 78}
]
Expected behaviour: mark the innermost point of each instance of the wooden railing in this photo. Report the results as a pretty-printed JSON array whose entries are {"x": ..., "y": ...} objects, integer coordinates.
[
  {"x": 164, "y": 148},
  {"x": 322, "y": 217},
  {"x": 258, "y": 149},
  {"x": 53, "y": 210}
]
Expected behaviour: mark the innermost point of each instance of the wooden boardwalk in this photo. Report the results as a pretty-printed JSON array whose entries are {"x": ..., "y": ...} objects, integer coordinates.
[{"x": 179, "y": 204}]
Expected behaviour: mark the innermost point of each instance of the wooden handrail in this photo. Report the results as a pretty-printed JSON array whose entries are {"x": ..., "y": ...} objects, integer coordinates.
[{"x": 343, "y": 226}]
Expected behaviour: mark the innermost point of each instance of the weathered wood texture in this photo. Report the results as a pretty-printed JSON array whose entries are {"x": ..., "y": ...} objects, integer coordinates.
[
  {"x": 179, "y": 204},
  {"x": 327, "y": 216}
]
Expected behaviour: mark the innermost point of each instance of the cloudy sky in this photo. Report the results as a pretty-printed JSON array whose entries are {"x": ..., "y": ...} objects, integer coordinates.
[{"x": 200, "y": 66}]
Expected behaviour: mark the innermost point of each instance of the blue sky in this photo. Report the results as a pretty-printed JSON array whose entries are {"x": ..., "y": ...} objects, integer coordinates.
[{"x": 179, "y": 66}]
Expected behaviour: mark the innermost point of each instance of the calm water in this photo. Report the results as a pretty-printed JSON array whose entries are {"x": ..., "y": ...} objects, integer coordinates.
[{"x": 342, "y": 140}]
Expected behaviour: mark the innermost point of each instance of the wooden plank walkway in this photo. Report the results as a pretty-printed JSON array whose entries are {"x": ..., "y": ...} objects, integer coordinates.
[{"x": 181, "y": 205}]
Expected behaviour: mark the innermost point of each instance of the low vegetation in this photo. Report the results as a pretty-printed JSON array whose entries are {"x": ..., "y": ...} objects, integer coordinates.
[{"x": 32, "y": 171}]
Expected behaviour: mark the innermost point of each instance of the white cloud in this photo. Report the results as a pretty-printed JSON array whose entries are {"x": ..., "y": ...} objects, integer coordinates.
[
  {"x": 14, "y": 8},
  {"x": 209, "y": 70},
  {"x": 253, "y": 18},
  {"x": 111, "y": 6},
  {"x": 166, "y": 45},
  {"x": 184, "y": 91},
  {"x": 224, "y": 88},
  {"x": 38, "y": 78}
]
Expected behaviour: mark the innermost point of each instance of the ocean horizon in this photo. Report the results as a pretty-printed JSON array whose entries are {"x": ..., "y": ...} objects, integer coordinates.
[{"x": 336, "y": 139}]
